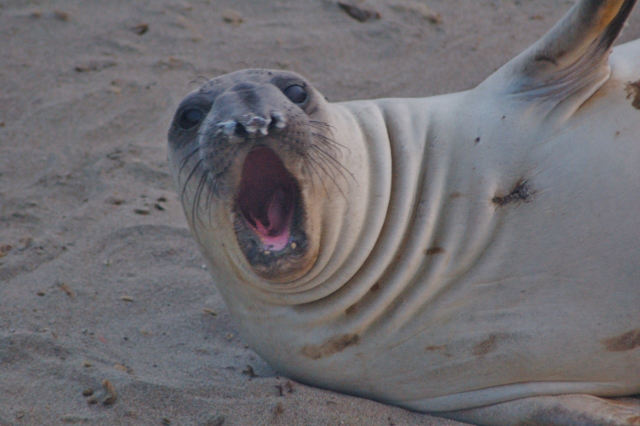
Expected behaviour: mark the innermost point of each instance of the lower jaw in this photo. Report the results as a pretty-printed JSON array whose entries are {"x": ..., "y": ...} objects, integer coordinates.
[
  {"x": 273, "y": 243},
  {"x": 279, "y": 262},
  {"x": 276, "y": 243}
]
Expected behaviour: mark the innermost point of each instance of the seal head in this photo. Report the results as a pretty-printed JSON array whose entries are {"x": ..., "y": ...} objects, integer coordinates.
[{"x": 257, "y": 142}]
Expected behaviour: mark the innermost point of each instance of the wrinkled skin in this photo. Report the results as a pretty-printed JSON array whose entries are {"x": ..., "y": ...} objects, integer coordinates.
[{"x": 473, "y": 255}]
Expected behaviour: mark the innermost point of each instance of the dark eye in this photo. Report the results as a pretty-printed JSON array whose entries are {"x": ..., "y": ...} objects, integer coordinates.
[
  {"x": 296, "y": 94},
  {"x": 190, "y": 118}
]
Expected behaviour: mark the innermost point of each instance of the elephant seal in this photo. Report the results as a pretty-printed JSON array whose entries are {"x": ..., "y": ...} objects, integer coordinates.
[{"x": 474, "y": 255}]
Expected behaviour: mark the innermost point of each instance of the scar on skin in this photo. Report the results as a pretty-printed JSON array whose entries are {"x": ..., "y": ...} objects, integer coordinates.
[
  {"x": 547, "y": 58},
  {"x": 633, "y": 91},
  {"x": 522, "y": 192},
  {"x": 351, "y": 309},
  {"x": 434, "y": 250},
  {"x": 331, "y": 346},
  {"x": 489, "y": 344},
  {"x": 625, "y": 342},
  {"x": 431, "y": 348}
]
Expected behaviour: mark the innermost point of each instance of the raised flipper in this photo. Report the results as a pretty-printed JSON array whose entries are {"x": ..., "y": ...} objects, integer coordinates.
[
  {"x": 563, "y": 410},
  {"x": 568, "y": 64}
]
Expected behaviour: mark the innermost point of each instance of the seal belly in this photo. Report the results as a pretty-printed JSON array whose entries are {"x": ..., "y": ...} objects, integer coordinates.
[
  {"x": 499, "y": 289},
  {"x": 551, "y": 305}
]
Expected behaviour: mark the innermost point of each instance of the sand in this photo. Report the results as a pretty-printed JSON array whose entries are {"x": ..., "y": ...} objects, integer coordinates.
[{"x": 107, "y": 314}]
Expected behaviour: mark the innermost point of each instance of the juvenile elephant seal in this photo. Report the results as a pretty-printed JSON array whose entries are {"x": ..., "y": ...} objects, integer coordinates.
[{"x": 476, "y": 255}]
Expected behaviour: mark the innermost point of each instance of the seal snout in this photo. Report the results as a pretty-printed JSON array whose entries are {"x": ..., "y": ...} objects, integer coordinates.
[
  {"x": 251, "y": 125},
  {"x": 247, "y": 111}
]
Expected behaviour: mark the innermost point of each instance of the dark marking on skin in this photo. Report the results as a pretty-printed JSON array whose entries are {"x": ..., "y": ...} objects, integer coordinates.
[
  {"x": 435, "y": 348},
  {"x": 375, "y": 287},
  {"x": 477, "y": 140},
  {"x": 351, "y": 310},
  {"x": 625, "y": 342},
  {"x": 617, "y": 133},
  {"x": 537, "y": 414},
  {"x": 455, "y": 195},
  {"x": 489, "y": 344},
  {"x": 521, "y": 193},
  {"x": 544, "y": 58},
  {"x": 441, "y": 349},
  {"x": 560, "y": 415},
  {"x": 434, "y": 250},
  {"x": 334, "y": 345},
  {"x": 358, "y": 13},
  {"x": 633, "y": 91}
]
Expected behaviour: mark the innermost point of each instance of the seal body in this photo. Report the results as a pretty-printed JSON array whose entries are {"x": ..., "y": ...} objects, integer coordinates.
[{"x": 441, "y": 254}]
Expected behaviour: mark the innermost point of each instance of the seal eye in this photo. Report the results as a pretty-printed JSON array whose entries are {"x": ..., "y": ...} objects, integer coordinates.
[
  {"x": 296, "y": 94},
  {"x": 190, "y": 118}
]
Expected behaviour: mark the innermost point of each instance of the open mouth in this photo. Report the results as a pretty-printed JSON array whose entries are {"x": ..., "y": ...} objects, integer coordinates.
[{"x": 267, "y": 198}]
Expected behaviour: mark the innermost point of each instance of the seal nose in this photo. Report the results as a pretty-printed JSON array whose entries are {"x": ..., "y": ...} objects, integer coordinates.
[
  {"x": 251, "y": 125},
  {"x": 248, "y": 110}
]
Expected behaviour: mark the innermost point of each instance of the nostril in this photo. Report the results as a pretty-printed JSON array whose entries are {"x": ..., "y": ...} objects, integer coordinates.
[
  {"x": 240, "y": 130},
  {"x": 277, "y": 121}
]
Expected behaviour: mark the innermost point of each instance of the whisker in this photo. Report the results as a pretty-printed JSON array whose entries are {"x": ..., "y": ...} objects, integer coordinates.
[
  {"x": 330, "y": 142},
  {"x": 307, "y": 171},
  {"x": 196, "y": 167},
  {"x": 186, "y": 159},
  {"x": 321, "y": 164},
  {"x": 321, "y": 125},
  {"x": 335, "y": 164},
  {"x": 199, "y": 80},
  {"x": 309, "y": 161},
  {"x": 197, "y": 200}
]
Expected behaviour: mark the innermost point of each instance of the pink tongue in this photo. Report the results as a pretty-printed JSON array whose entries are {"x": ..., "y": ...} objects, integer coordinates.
[{"x": 275, "y": 235}]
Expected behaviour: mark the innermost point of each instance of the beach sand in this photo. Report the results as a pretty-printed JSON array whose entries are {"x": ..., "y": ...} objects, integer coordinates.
[{"x": 107, "y": 313}]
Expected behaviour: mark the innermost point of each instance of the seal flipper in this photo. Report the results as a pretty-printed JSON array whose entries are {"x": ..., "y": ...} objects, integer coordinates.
[
  {"x": 563, "y": 410},
  {"x": 570, "y": 62}
]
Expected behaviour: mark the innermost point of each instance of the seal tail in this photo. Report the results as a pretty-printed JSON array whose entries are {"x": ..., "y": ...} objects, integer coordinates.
[{"x": 571, "y": 59}]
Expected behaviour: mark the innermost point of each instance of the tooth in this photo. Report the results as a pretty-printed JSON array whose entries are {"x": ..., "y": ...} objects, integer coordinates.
[{"x": 255, "y": 123}]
